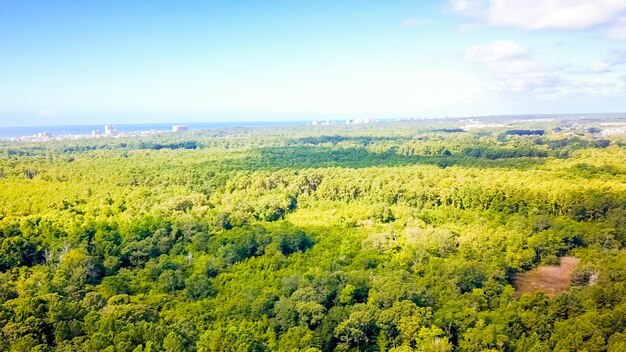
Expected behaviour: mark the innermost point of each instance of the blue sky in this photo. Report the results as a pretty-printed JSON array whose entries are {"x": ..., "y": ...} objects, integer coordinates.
[{"x": 84, "y": 62}]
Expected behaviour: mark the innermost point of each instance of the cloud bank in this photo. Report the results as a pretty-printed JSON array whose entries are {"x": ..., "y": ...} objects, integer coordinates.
[
  {"x": 512, "y": 68},
  {"x": 549, "y": 14}
]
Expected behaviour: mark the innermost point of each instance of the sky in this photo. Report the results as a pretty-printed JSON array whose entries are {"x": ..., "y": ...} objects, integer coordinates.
[{"x": 119, "y": 61}]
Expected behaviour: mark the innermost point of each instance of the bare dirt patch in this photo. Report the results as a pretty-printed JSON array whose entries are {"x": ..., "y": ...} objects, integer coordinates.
[{"x": 551, "y": 279}]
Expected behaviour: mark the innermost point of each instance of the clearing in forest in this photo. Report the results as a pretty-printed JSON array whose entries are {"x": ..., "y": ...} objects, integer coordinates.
[{"x": 551, "y": 279}]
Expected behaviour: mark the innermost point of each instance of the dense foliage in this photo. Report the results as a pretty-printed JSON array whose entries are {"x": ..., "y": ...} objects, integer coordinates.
[{"x": 382, "y": 238}]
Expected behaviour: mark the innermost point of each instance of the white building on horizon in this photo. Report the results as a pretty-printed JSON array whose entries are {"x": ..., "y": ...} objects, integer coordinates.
[
  {"x": 109, "y": 130},
  {"x": 358, "y": 121},
  {"x": 180, "y": 128}
]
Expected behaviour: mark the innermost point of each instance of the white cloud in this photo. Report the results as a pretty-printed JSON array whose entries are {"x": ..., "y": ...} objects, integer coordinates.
[
  {"x": 460, "y": 5},
  {"x": 560, "y": 14},
  {"x": 610, "y": 63},
  {"x": 593, "y": 85},
  {"x": 601, "y": 67},
  {"x": 512, "y": 67},
  {"x": 549, "y": 14},
  {"x": 46, "y": 113},
  {"x": 497, "y": 51},
  {"x": 526, "y": 75},
  {"x": 618, "y": 58},
  {"x": 470, "y": 7},
  {"x": 618, "y": 30}
]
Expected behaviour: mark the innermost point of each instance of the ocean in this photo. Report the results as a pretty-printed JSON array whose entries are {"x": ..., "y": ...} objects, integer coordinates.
[{"x": 84, "y": 130}]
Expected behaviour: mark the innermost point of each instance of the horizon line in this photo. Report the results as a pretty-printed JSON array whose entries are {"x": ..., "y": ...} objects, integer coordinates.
[{"x": 243, "y": 121}]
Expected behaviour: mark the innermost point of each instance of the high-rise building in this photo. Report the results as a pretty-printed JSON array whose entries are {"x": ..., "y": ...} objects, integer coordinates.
[{"x": 109, "y": 130}]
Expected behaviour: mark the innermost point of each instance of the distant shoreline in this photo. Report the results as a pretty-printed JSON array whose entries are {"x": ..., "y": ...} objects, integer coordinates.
[
  {"x": 84, "y": 131},
  {"x": 57, "y": 132}
]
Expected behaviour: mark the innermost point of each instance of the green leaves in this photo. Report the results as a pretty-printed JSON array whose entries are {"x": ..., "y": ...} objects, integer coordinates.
[{"x": 395, "y": 240}]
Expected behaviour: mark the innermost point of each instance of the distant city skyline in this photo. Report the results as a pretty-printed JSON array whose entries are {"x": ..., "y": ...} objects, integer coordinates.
[{"x": 110, "y": 62}]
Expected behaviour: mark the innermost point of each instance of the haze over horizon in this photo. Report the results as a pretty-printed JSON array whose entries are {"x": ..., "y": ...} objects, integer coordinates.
[{"x": 71, "y": 62}]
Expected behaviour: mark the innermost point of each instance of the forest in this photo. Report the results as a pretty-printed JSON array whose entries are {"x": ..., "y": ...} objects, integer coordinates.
[{"x": 388, "y": 237}]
